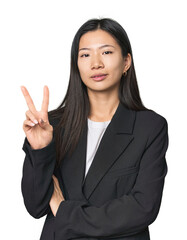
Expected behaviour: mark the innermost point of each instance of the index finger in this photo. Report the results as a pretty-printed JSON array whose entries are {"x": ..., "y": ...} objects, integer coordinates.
[
  {"x": 28, "y": 99},
  {"x": 45, "y": 102}
]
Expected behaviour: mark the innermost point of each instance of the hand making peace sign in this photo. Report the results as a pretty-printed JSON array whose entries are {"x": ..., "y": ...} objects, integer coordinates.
[{"x": 39, "y": 133}]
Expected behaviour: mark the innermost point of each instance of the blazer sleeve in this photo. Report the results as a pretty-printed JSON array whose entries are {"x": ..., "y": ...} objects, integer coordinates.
[
  {"x": 37, "y": 184},
  {"x": 128, "y": 214}
]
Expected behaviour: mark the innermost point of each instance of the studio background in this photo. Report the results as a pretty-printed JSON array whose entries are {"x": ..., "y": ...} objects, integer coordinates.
[{"x": 35, "y": 44}]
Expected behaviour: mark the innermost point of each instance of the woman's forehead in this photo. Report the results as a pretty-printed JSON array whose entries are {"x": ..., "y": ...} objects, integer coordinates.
[{"x": 97, "y": 38}]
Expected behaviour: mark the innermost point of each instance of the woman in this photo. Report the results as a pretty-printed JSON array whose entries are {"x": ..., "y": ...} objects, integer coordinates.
[{"x": 95, "y": 165}]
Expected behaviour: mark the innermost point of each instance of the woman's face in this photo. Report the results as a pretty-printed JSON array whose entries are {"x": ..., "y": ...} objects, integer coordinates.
[{"x": 96, "y": 58}]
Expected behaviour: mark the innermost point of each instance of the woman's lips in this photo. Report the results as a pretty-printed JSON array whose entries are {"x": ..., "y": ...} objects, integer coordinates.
[{"x": 99, "y": 78}]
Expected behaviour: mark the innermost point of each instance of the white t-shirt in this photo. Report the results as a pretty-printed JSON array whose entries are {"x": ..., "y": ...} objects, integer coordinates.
[{"x": 94, "y": 135}]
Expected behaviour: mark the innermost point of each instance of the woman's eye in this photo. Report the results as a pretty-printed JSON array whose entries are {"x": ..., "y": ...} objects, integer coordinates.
[
  {"x": 108, "y": 52},
  {"x": 84, "y": 55}
]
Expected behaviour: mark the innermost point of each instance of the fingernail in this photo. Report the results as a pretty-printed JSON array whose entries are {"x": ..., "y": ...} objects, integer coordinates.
[
  {"x": 35, "y": 121},
  {"x": 41, "y": 120}
]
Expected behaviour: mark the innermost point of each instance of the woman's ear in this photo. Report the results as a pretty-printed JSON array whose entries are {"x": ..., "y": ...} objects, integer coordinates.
[{"x": 127, "y": 61}]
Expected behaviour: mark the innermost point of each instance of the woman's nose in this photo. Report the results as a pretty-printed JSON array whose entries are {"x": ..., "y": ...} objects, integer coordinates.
[{"x": 96, "y": 62}]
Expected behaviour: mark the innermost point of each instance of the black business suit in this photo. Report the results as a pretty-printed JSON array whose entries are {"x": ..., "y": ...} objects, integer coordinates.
[{"x": 122, "y": 191}]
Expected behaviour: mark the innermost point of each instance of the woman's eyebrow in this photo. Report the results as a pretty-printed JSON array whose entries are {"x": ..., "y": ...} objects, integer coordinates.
[{"x": 106, "y": 45}]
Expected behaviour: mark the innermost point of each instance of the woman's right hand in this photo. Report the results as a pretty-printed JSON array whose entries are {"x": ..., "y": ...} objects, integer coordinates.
[{"x": 38, "y": 133}]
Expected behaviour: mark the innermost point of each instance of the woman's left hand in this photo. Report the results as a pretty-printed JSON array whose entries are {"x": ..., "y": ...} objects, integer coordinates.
[{"x": 57, "y": 196}]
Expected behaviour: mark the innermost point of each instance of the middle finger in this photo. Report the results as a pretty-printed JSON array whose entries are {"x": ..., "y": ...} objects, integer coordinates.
[{"x": 28, "y": 99}]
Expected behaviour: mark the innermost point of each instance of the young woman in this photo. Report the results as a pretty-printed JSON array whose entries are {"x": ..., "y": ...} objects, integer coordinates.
[{"x": 95, "y": 165}]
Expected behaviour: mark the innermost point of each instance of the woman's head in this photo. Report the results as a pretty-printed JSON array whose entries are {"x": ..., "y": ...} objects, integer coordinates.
[
  {"x": 99, "y": 53},
  {"x": 74, "y": 110},
  {"x": 109, "y": 30}
]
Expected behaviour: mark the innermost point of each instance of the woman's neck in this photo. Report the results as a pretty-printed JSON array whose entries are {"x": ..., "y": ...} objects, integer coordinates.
[{"x": 102, "y": 110}]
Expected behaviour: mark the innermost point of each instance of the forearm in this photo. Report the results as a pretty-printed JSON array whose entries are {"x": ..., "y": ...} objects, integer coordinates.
[
  {"x": 37, "y": 184},
  {"x": 125, "y": 216}
]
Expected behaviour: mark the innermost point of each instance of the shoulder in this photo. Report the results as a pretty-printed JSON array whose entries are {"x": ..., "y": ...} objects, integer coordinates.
[
  {"x": 148, "y": 120},
  {"x": 150, "y": 116}
]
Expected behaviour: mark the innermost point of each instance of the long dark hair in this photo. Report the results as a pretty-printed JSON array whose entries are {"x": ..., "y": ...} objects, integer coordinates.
[{"x": 72, "y": 113}]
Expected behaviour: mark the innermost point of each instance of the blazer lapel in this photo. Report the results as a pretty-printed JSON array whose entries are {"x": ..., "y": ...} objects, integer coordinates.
[
  {"x": 115, "y": 140},
  {"x": 73, "y": 169}
]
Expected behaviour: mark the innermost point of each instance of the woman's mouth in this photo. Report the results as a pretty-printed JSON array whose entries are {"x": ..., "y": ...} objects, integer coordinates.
[{"x": 99, "y": 77}]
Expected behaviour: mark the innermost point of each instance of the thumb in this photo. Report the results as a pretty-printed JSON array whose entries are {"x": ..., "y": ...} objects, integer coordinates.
[
  {"x": 45, "y": 124},
  {"x": 42, "y": 122}
]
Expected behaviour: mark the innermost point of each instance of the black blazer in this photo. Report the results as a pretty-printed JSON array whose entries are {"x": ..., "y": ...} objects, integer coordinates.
[{"x": 121, "y": 194}]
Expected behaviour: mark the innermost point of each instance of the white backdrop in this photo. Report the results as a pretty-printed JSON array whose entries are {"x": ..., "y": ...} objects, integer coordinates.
[{"x": 35, "y": 42}]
